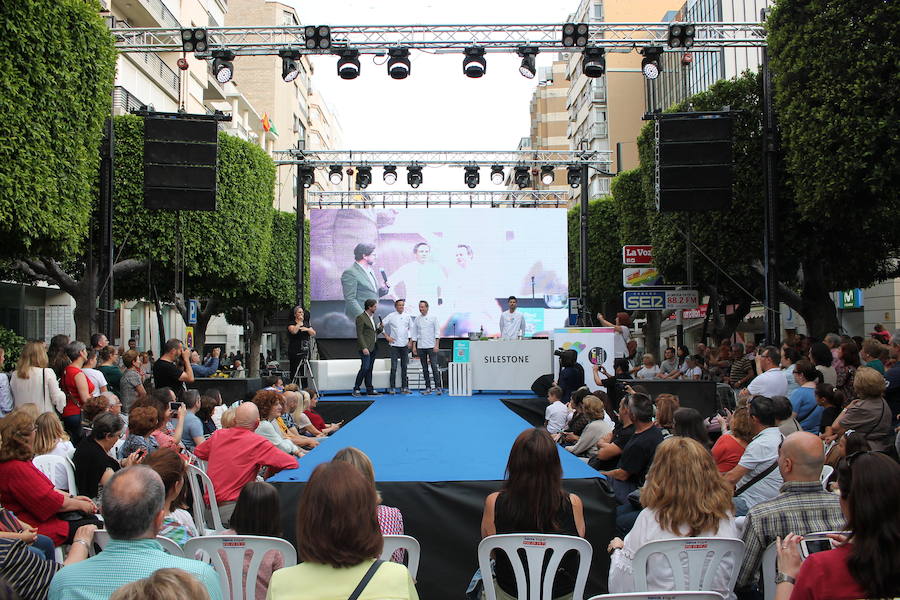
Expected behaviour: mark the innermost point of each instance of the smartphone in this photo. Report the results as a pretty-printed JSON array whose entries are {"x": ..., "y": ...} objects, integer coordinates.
[
  {"x": 174, "y": 406},
  {"x": 808, "y": 547}
]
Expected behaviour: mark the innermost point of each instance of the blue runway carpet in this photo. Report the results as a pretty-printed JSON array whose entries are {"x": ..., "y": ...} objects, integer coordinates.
[{"x": 431, "y": 439}]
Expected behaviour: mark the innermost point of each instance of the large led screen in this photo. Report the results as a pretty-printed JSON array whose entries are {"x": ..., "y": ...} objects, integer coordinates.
[{"x": 465, "y": 262}]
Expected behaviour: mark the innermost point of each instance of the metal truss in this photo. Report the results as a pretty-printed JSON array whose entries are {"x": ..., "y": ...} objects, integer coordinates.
[
  {"x": 377, "y": 39},
  {"x": 491, "y": 199},
  {"x": 458, "y": 158}
]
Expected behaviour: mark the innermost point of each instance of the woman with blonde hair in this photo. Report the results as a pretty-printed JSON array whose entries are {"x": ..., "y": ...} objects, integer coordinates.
[
  {"x": 301, "y": 420},
  {"x": 596, "y": 429},
  {"x": 51, "y": 438},
  {"x": 33, "y": 380},
  {"x": 684, "y": 496}
]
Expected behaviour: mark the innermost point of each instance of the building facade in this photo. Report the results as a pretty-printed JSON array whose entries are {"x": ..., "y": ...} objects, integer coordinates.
[{"x": 550, "y": 118}]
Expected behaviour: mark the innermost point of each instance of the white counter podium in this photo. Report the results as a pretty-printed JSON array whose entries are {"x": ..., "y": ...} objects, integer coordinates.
[{"x": 508, "y": 364}]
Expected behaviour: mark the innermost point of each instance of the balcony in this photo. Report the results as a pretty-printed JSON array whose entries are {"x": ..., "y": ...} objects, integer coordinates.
[
  {"x": 158, "y": 70},
  {"x": 124, "y": 101},
  {"x": 149, "y": 13}
]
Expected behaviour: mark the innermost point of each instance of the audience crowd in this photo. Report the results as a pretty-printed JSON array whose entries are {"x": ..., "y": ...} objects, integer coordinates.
[{"x": 92, "y": 430}]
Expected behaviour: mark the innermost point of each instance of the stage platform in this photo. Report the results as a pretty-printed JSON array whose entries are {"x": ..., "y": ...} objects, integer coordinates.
[{"x": 436, "y": 458}]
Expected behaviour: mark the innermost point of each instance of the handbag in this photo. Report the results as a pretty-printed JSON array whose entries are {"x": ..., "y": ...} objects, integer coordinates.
[{"x": 365, "y": 580}]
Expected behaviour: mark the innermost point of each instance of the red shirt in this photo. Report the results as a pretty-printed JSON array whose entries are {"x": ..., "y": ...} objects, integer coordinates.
[
  {"x": 27, "y": 492},
  {"x": 315, "y": 418},
  {"x": 727, "y": 452},
  {"x": 234, "y": 457},
  {"x": 825, "y": 575},
  {"x": 73, "y": 400}
]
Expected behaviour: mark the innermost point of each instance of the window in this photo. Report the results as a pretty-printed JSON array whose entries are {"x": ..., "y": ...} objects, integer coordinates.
[
  {"x": 598, "y": 11},
  {"x": 288, "y": 18}
]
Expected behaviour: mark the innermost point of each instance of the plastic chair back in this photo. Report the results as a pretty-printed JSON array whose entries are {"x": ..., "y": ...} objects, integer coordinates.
[
  {"x": 392, "y": 543},
  {"x": 535, "y": 546},
  {"x": 200, "y": 482},
  {"x": 703, "y": 559},
  {"x": 101, "y": 538},
  {"x": 768, "y": 566},
  {"x": 233, "y": 547},
  {"x": 827, "y": 470},
  {"x": 662, "y": 596},
  {"x": 46, "y": 464}
]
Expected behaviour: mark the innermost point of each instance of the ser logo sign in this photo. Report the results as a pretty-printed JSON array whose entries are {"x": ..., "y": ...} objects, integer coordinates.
[{"x": 644, "y": 299}]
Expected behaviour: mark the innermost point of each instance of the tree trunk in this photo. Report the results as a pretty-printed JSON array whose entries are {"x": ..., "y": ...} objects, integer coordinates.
[
  {"x": 817, "y": 310},
  {"x": 730, "y": 322},
  {"x": 651, "y": 333},
  {"x": 257, "y": 320}
]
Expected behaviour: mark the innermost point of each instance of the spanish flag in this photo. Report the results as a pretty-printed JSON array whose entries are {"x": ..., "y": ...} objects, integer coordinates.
[{"x": 266, "y": 123}]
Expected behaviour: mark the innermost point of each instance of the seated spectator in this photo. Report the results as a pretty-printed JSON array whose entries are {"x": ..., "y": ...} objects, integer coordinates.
[
  {"x": 109, "y": 367},
  {"x": 133, "y": 511},
  {"x": 28, "y": 575},
  {"x": 338, "y": 541},
  {"x": 316, "y": 419},
  {"x": 689, "y": 423},
  {"x": 93, "y": 406},
  {"x": 286, "y": 423},
  {"x": 557, "y": 413},
  {"x": 12, "y": 528},
  {"x": 220, "y": 408},
  {"x": 131, "y": 384},
  {"x": 613, "y": 383},
  {"x": 164, "y": 584},
  {"x": 390, "y": 520},
  {"x": 683, "y": 497},
  {"x": 823, "y": 360},
  {"x": 865, "y": 563},
  {"x": 784, "y": 416},
  {"x": 801, "y": 506},
  {"x": 789, "y": 358},
  {"x": 669, "y": 363},
  {"x": 273, "y": 383},
  {"x": 869, "y": 413},
  {"x": 638, "y": 452},
  {"x": 177, "y": 525},
  {"x": 170, "y": 425},
  {"x": 51, "y": 438},
  {"x": 770, "y": 381},
  {"x": 28, "y": 493},
  {"x": 142, "y": 421},
  {"x": 301, "y": 419},
  {"x": 666, "y": 405},
  {"x": 235, "y": 455},
  {"x": 578, "y": 420},
  {"x": 832, "y": 401},
  {"x": 532, "y": 500},
  {"x": 208, "y": 404},
  {"x": 870, "y": 354},
  {"x": 848, "y": 354},
  {"x": 93, "y": 464},
  {"x": 737, "y": 432},
  {"x": 228, "y": 418},
  {"x": 850, "y": 443},
  {"x": 609, "y": 450},
  {"x": 33, "y": 380},
  {"x": 756, "y": 477},
  {"x": 803, "y": 399},
  {"x": 597, "y": 429},
  {"x": 209, "y": 366},
  {"x": 693, "y": 368},
  {"x": 648, "y": 368},
  {"x": 258, "y": 512},
  {"x": 192, "y": 430},
  {"x": 270, "y": 408}
]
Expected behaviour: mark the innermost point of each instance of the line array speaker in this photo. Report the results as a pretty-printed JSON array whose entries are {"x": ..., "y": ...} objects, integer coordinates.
[{"x": 180, "y": 164}]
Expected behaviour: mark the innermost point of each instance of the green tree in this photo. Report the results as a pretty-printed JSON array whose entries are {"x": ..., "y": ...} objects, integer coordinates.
[
  {"x": 57, "y": 63},
  {"x": 604, "y": 254}
]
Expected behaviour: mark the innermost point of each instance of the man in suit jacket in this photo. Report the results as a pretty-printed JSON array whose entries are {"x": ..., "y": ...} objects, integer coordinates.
[
  {"x": 358, "y": 281},
  {"x": 366, "y": 334}
]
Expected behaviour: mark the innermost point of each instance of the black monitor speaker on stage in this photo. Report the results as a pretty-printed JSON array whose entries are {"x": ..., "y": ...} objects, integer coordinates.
[
  {"x": 180, "y": 163},
  {"x": 695, "y": 170},
  {"x": 542, "y": 385}
]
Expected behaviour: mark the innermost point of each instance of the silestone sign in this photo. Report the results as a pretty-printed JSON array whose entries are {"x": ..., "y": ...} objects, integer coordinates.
[{"x": 509, "y": 364}]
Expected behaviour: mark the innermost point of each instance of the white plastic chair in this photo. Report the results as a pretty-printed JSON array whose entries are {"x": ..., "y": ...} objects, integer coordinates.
[
  {"x": 704, "y": 560},
  {"x": 770, "y": 558},
  {"x": 827, "y": 470},
  {"x": 101, "y": 538},
  {"x": 211, "y": 548},
  {"x": 392, "y": 543},
  {"x": 535, "y": 546},
  {"x": 200, "y": 482},
  {"x": 661, "y": 596},
  {"x": 47, "y": 463}
]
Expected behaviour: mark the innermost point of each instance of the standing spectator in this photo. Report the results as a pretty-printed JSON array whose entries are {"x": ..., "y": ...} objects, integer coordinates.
[
  {"x": 177, "y": 525},
  {"x": 34, "y": 382},
  {"x": 50, "y": 438},
  {"x": 28, "y": 493},
  {"x": 637, "y": 455},
  {"x": 789, "y": 358},
  {"x": 131, "y": 385},
  {"x": 833, "y": 342},
  {"x": 770, "y": 381},
  {"x": 90, "y": 369},
  {"x": 869, "y": 414},
  {"x": 166, "y": 373},
  {"x": 571, "y": 374},
  {"x": 390, "y": 519},
  {"x": 756, "y": 477},
  {"x": 532, "y": 500},
  {"x": 683, "y": 497},
  {"x": 56, "y": 354},
  {"x": 881, "y": 334},
  {"x": 78, "y": 389},
  {"x": 623, "y": 333},
  {"x": 99, "y": 341},
  {"x": 801, "y": 506},
  {"x": 870, "y": 353},
  {"x": 93, "y": 464},
  {"x": 892, "y": 378},
  {"x": 849, "y": 353},
  {"x": 821, "y": 357},
  {"x": 236, "y": 454},
  {"x": 737, "y": 433},
  {"x": 803, "y": 399},
  {"x": 258, "y": 512},
  {"x": 133, "y": 511},
  {"x": 397, "y": 330},
  {"x": 109, "y": 366}
]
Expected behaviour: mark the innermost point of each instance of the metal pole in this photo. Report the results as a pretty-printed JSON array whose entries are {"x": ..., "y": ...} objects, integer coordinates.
[
  {"x": 583, "y": 237},
  {"x": 106, "y": 302},
  {"x": 301, "y": 258},
  {"x": 772, "y": 314}
]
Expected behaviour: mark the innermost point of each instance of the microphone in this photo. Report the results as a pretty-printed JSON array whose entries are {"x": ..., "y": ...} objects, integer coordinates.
[{"x": 384, "y": 276}]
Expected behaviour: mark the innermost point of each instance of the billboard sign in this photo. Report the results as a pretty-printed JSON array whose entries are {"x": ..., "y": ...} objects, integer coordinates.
[
  {"x": 634, "y": 277},
  {"x": 637, "y": 255},
  {"x": 644, "y": 299},
  {"x": 682, "y": 299}
]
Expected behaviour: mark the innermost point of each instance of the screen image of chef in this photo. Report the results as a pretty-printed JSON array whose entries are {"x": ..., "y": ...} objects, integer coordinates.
[{"x": 465, "y": 262}]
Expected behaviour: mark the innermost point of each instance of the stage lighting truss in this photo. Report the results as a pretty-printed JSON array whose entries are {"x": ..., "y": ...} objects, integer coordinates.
[
  {"x": 383, "y": 39},
  {"x": 651, "y": 64},
  {"x": 681, "y": 35},
  {"x": 223, "y": 68},
  {"x": 449, "y": 199},
  {"x": 363, "y": 176},
  {"x": 335, "y": 174},
  {"x": 575, "y": 34},
  {"x": 497, "y": 176},
  {"x": 194, "y": 40},
  {"x": 497, "y": 160},
  {"x": 290, "y": 64},
  {"x": 474, "y": 63},
  {"x": 472, "y": 177},
  {"x": 390, "y": 174}
]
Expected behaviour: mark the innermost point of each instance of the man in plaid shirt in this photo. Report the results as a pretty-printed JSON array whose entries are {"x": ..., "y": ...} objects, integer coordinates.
[{"x": 802, "y": 507}]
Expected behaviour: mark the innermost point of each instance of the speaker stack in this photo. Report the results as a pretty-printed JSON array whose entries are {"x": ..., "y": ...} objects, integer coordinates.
[{"x": 180, "y": 164}]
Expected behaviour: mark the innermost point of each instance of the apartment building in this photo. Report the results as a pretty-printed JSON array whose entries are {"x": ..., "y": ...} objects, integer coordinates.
[{"x": 550, "y": 118}]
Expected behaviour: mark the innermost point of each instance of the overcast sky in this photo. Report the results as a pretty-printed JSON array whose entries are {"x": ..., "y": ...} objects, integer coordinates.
[{"x": 436, "y": 107}]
